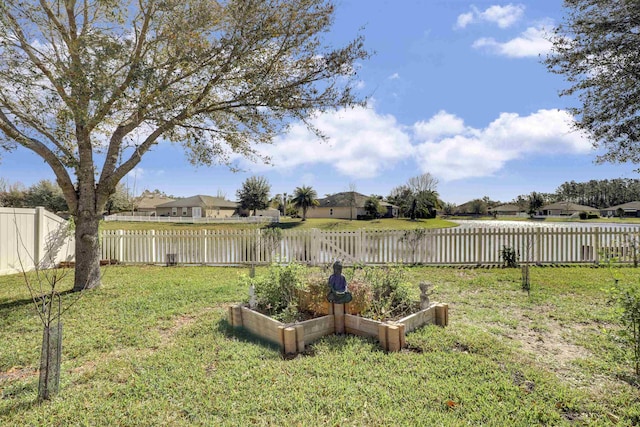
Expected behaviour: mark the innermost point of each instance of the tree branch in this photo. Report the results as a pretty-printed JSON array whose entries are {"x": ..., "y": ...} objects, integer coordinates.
[
  {"x": 62, "y": 176},
  {"x": 28, "y": 49}
]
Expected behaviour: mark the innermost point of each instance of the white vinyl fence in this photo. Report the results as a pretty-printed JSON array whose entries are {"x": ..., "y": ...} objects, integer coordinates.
[
  {"x": 469, "y": 246},
  {"x": 30, "y": 237}
]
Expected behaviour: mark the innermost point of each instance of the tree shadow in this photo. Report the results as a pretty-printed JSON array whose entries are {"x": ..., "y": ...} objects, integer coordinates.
[
  {"x": 7, "y": 304},
  {"x": 20, "y": 391},
  {"x": 631, "y": 379},
  {"x": 286, "y": 225}
]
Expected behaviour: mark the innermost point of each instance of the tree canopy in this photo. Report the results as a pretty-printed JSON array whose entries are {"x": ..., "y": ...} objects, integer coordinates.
[
  {"x": 536, "y": 201},
  {"x": 92, "y": 86},
  {"x": 304, "y": 198},
  {"x": 373, "y": 207},
  {"x": 254, "y": 194},
  {"x": 597, "y": 49},
  {"x": 418, "y": 198}
]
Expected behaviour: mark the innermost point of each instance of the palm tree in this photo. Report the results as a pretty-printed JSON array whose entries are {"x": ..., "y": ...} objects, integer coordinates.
[{"x": 304, "y": 198}]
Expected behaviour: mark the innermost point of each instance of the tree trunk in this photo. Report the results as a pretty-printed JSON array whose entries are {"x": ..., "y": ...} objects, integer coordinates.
[{"x": 87, "y": 271}]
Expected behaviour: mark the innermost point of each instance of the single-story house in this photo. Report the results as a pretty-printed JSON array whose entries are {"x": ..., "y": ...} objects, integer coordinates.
[
  {"x": 565, "y": 208},
  {"x": 270, "y": 212},
  {"x": 631, "y": 209},
  {"x": 508, "y": 209},
  {"x": 347, "y": 205},
  {"x": 198, "y": 207},
  {"x": 147, "y": 204}
]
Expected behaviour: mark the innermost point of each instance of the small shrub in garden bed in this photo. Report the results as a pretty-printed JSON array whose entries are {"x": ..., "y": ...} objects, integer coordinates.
[
  {"x": 277, "y": 292},
  {"x": 294, "y": 292}
]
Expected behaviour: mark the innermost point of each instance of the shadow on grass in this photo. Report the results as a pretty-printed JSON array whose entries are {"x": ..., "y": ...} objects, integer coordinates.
[
  {"x": 331, "y": 343},
  {"x": 6, "y": 304},
  {"x": 243, "y": 335},
  {"x": 286, "y": 225},
  {"x": 18, "y": 392},
  {"x": 629, "y": 378}
]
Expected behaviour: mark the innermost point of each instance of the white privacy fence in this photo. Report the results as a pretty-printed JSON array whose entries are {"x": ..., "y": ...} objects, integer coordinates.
[
  {"x": 30, "y": 237},
  {"x": 477, "y": 246}
]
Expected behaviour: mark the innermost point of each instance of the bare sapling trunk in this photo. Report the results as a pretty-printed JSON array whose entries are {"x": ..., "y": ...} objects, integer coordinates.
[
  {"x": 51, "y": 353},
  {"x": 47, "y": 303}
]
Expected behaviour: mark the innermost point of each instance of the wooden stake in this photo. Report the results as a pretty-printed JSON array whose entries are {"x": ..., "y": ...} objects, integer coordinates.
[
  {"x": 393, "y": 337},
  {"x": 290, "y": 343},
  {"x": 382, "y": 336}
]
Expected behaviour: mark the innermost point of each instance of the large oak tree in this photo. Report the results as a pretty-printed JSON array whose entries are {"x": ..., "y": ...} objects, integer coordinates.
[
  {"x": 597, "y": 49},
  {"x": 93, "y": 85}
]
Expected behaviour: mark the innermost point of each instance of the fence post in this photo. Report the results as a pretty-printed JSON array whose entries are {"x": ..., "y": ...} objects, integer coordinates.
[
  {"x": 596, "y": 244},
  {"x": 152, "y": 246},
  {"x": 120, "y": 251},
  {"x": 479, "y": 235},
  {"x": 203, "y": 246},
  {"x": 314, "y": 247}
]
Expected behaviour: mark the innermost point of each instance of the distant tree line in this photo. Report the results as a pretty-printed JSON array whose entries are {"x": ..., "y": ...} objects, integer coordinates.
[
  {"x": 49, "y": 195},
  {"x": 595, "y": 193},
  {"x": 600, "y": 193},
  {"x": 418, "y": 198}
]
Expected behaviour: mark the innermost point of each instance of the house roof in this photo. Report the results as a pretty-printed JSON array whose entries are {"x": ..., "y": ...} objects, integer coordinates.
[
  {"x": 152, "y": 201},
  {"x": 346, "y": 199},
  {"x": 201, "y": 201},
  {"x": 568, "y": 207},
  {"x": 507, "y": 208},
  {"x": 630, "y": 206}
]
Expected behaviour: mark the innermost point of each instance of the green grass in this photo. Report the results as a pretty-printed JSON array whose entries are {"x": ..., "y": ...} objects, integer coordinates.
[
  {"x": 290, "y": 224},
  {"x": 615, "y": 220},
  {"x": 152, "y": 347}
]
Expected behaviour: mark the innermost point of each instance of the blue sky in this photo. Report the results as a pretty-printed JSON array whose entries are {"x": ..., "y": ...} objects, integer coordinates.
[{"x": 455, "y": 88}]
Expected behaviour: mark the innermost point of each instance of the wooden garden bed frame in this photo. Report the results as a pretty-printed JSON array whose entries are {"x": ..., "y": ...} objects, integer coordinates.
[{"x": 293, "y": 337}]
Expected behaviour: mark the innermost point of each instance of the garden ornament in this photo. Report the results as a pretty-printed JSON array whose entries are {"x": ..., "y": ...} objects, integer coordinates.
[{"x": 338, "y": 292}]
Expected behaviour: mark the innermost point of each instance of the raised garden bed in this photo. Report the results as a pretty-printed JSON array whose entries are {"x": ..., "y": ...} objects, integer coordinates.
[{"x": 293, "y": 337}]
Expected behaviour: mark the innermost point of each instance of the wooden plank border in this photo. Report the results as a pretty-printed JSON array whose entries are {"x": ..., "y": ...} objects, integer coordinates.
[{"x": 293, "y": 338}]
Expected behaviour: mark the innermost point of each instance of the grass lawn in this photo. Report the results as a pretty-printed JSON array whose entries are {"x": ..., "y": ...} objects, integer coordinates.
[
  {"x": 615, "y": 220},
  {"x": 290, "y": 224},
  {"x": 152, "y": 347}
]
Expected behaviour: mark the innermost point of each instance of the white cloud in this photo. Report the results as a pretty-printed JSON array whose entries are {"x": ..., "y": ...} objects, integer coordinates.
[
  {"x": 502, "y": 16},
  {"x": 442, "y": 124},
  {"x": 483, "y": 152},
  {"x": 533, "y": 41},
  {"x": 361, "y": 144},
  {"x": 464, "y": 20},
  {"x": 394, "y": 76}
]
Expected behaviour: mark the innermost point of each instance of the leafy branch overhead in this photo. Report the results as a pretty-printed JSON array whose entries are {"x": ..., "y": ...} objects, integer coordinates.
[
  {"x": 597, "y": 48},
  {"x": 92, "y": 86}
]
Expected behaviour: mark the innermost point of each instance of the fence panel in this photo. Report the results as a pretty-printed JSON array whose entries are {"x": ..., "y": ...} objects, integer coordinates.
[
  {"x": 33, "y": 237},
  {"x": 451, "y": 246}
]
